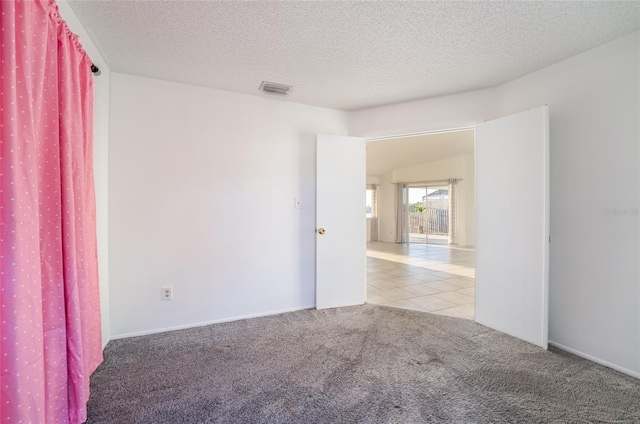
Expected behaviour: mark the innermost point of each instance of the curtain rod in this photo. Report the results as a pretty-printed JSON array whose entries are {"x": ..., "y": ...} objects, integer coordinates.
[
  {"x": 427, "y": 182},
  {"x": 95, "y": 70}
]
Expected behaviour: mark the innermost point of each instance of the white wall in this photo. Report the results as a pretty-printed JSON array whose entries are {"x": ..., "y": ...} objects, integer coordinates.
[
  {"x": 440, "y": 113},
  {"x": 201, "y": 197},
  {"x": 100, "y": 158},
  {"x": 432, "y": 171},
  {"x": 595, "y": 131},
  {"x": 373, "y": 180},
  {"x": 376, "y": 181}
]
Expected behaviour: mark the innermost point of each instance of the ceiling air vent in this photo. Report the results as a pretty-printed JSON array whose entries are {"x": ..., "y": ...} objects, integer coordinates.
[{"x": 275, "y": 88}]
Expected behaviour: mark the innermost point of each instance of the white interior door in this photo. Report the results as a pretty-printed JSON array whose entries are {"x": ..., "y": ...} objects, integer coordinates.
[
  {"x": 340, "y": 221},
  {"x": 512, "y": 212}
]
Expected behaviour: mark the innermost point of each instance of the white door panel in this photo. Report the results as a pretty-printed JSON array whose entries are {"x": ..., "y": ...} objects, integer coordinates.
[
  {"x": 340, "y": 212},
  {"x": 512, "y": 212}
]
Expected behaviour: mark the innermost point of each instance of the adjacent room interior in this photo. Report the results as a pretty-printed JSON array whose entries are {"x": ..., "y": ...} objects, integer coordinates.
[{"x": 421, "y": 223}]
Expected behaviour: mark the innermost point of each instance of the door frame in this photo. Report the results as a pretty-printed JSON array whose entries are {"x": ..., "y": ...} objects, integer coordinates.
[{"x": 420, "y": 133}]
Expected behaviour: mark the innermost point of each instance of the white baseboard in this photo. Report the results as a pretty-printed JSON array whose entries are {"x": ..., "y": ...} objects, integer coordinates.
[
  {"x": 105, "y": 343},
  {"x": 596, "y": 360},
  {"x": 202, "y": 324}
]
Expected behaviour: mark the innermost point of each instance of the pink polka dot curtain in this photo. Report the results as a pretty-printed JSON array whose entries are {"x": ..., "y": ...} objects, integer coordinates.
[{"x": 50, "y": 318}]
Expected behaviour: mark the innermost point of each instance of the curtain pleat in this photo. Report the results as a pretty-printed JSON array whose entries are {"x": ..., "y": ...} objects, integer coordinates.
[
  {"x": 453, "y": 211},
  {"x": 51, "y": 339},
  {"x": 402, "y": 224},
  {"x": 373, "y": 222}
]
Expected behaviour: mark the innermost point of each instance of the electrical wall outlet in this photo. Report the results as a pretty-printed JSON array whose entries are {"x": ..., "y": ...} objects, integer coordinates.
[{"x": 167, "y": 293}]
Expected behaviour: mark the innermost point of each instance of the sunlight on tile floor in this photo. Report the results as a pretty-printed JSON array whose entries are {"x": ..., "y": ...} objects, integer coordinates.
[{"x": 428, "y": 278}]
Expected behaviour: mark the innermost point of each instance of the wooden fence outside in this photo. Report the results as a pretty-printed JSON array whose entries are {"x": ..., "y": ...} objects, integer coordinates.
[{"x": 431, "y": 221}]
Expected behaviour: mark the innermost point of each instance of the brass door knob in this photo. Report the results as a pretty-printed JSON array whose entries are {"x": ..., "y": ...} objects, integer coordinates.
[{"x": 320, "y": 231}]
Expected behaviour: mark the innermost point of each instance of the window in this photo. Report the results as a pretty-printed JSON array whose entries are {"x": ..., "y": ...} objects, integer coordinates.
[{"x": 369, "y": 202}]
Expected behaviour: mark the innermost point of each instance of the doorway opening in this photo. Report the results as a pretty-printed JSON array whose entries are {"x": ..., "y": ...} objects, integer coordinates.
[
  {"x": 512, "y": 158},
  {"x": 413, "y": 259}
]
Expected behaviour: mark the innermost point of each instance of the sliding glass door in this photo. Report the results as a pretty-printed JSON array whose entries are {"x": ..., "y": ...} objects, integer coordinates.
[
  {"x": 438, "y": 215},
  {"x": 428, "y": 214},
  {"x": 417, "y": 214}
]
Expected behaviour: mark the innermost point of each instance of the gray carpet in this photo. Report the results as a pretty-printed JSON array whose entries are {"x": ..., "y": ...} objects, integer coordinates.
[{"x": 366, "y": 364}]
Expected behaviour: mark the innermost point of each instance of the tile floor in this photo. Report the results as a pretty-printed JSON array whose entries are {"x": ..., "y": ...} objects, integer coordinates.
[{"x": 422, "y": 277}]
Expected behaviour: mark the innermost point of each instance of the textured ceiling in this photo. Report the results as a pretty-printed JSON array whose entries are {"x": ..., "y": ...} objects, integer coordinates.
[
  {"x": 385, "y": 156},
  {"x": 348, "y": 55}
]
